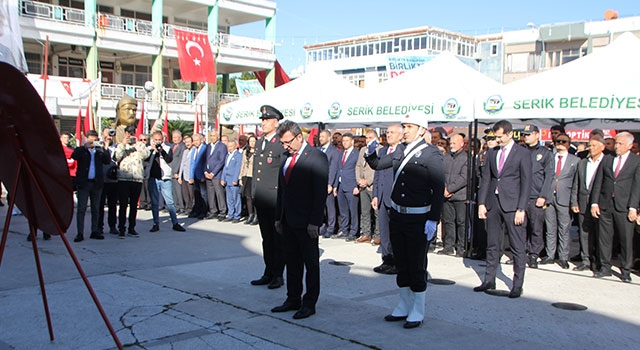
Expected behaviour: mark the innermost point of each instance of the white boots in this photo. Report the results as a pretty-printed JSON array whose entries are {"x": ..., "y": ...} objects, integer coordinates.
[
  {"x": 416, "y": 313},
  {"x": 410, "y": 308}
]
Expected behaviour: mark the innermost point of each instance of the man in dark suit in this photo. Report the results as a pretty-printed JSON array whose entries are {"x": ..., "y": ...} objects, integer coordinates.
[
  {"x": 266, "y": 163},
  {"x": 214, "y": 163},
  {"x": 333, "y": 156},
  {"x": 455, "y": 193},
  {"x": 381, "y": 201},
  {"x": 198, "y": 158},
  {"x": 89, "y": 181},
  {"x": 504, "y": 192},
  {"x": 557, "y": 216},
  {"x": 347, "y": 191},
  {"x": 302, "y": 181},
  {"x": 580, "y": 193},
  {"x": 615, "y": 198},
  {"x": 177, "y": 148},
  {"x": 416, "y": 203}
]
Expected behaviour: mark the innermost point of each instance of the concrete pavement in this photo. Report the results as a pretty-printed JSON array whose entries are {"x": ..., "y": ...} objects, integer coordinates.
[{"x": 171, "y": 290}]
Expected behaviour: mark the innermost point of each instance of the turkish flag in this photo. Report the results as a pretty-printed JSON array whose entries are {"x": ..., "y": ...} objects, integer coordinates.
[
  {"x": 195, "y": 57},
  {"x": 165, "y": 125},
  {"x": 79, "y": 127},
  {"x": 88, "y": 119},
  {"x": 281, "y": 76},
  {"x": 140, "y": 127},
  {"x": 67, "y": 86}
]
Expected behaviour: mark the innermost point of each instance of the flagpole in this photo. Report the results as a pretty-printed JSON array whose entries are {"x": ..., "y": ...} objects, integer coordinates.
[
  {"x": 206, "y": 104},
  {"x": 46, "y": 71}
]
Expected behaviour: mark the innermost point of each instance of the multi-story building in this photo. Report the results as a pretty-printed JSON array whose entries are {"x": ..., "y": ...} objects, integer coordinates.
[
  {"x": 504, "y": 57},
  {"x": 127, "y": 43}
]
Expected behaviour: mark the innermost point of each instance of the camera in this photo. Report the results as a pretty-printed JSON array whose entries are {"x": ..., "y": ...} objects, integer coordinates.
[
  {"x": 132, "y": 141},
  {"x": 98, "y": 144},
  {"x": 159, "y": 147},
  {"x": 112, "y": 132}
]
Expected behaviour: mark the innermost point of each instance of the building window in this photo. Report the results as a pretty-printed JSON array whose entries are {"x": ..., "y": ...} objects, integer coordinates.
[
  {"x": 71, "y": 67},
  {"x": 517, "y": 62},
  {"x": 570, "y": 55},
  {"x": 423, "y": 43},
  {"x": 494, "y": 49}
]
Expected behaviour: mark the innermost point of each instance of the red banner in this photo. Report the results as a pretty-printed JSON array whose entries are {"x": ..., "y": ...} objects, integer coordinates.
[
  {"x": 165, "y": 124},
  {"x": 195, "y": 57},
  {"x": 577, "y": 135},
  {"x": 140, "y": 127}
]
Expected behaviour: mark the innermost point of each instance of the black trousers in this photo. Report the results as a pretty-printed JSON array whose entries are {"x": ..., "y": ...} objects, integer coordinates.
[
  {"x": 301, "y": 253},
  {"x": 588, "y": 226},
  {"x": 110, "y": 196},
  {"x": 409, "y": 249},
  {"x": 272, "y": 249},
  {"x": 517, "y": 240},
  {"x": 128, "y": 195},
  {"x": 615, "y": 221},
  {"x": 453, "y": 217},
  {"x": 535, "y": 228}
]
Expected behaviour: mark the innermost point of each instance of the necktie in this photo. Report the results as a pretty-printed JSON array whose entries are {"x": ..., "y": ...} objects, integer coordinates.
[
  {"x": 344, "y": 157},
  {"x": 559, "y": 166},
  {"x": 287, "y": 174},
  {"x": 324, "y": 149},
  {"x": 391, "y": 149},
  {"x": 618, "y": 166},
  {"x": 501, "y": 160}
]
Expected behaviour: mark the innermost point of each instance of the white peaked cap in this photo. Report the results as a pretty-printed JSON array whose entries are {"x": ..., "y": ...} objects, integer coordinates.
[{"x": 416, "y": 117}]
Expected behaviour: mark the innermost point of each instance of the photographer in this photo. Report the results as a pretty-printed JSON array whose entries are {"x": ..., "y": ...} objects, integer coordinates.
[
  {"x": 159, "y": 181},
  {"x": 130, "y": 154},
  {"x": 89, "y": 180}
]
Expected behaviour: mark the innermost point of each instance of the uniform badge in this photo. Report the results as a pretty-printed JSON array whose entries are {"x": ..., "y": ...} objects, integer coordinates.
[
  {"x": 269, "y": 160},
  {"x": 418, "y": 154},
  {"x": 538, "y": 157}
]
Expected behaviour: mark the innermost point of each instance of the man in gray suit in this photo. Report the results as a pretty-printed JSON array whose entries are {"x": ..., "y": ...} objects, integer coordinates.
[
  {"x": 557, "y": 216},
  {"x": 580, "y": 192},
  {"x": 177, "y": 148}
]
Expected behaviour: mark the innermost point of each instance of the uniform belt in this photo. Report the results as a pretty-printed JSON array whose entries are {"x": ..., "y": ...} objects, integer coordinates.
[{"x": 410, "y": 210}]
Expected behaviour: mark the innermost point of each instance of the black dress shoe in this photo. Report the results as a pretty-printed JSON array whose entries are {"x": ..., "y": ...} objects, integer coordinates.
[
  {"x": 46, "y": 236},
  {"x": 178, "y": 227},
  {"x": 564, "y": 264},
  {"x": 212, "y": 216},
  {"x": 133, "y": 233},
  {"x": 339, "y": 235},
  {"x": 96, "y": 235},
  {"x": 390, "y": 270},
  {"x": 113, "y": 231},
  {"x": 380, "y": 268},
  {"x": 304, "y": 312},
  {"x": 576, "y": 258},
  {"x": 626, "y": 277},
  {"x": 516, "y": 292},
  {"x": 532, "y": 261},
  {"x": 485, "y": 287},
  {"x": 391, "y": 318},
  {"x": 154, "y": 228},
  {"x": 264, "y": 280},
  {"x": 287, "y": 306},
  {"x": 547, "y": 260},
  {"x": 275, "y": 283},
  {"x": 411, "y": 324},
  {"x": 602, "y": 273},
  {"x": 350, "y": 238},
  {"x": 581, "y": 267},
  {"x": 79, "y": 238}
]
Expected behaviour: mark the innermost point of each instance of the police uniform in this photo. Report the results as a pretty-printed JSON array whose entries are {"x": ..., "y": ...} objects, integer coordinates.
[
  {"x": 266, "y": 163},
  {"x": 417, "y": 197}
]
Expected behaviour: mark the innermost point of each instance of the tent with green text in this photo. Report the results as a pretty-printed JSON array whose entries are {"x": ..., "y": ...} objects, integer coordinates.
[
  {"x": 306, "y": 99},
  {"x": 601, "y": 85}
]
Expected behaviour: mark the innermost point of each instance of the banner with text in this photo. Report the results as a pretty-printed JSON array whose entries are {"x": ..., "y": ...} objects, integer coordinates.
[{"x": 398, "y": 64}]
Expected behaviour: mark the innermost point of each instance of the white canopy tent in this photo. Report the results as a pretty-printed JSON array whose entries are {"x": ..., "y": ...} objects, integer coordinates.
[
  {"x": 601, "y": 85},
  {"x": 306, "y": 99},
  {"x": 443, "y": 89}
]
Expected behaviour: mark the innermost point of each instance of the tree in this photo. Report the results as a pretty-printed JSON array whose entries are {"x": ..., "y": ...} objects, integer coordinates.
[{"x": 232, "y": 82}]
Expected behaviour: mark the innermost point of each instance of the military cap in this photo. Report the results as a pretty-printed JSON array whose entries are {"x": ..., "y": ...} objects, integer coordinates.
[
  {"x": 529, "y": 128},
  {"x": 268, "y": 112},
  {"x": 417, "y": 118}
]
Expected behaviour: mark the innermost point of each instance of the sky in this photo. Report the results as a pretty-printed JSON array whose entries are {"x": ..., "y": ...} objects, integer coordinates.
[{"x": 305, "y": 22}]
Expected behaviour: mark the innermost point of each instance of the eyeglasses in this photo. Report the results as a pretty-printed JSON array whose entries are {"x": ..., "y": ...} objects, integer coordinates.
[
  {"x": 289, "y": 142},
  {"x": 562, "y": 141},
  {"x": 141, "y": 139}
]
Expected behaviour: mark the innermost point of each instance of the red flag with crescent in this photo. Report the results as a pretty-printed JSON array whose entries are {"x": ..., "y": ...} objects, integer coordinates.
[
  {"x": 140, "y": 127},
  {"x": 195, "y": 57},
  {"x": 67, "y": 86}
]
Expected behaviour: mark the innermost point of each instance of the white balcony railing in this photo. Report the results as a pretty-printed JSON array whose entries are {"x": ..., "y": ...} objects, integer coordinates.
[
  {"x": 124, "y": 24},
  {"x": 178, "y": 96},
  {"x": 168, "y": 30},
  {"x": 51, "y": 12},
  {"x": 244, "y": 43}
]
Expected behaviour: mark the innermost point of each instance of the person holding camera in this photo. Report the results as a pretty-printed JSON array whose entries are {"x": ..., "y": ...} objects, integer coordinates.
[
  {"x": 129, "y": 154},
  {"x": 89, "y": 181},
  {"x": 159, "y": 180},
  {"x": 110, "y": 187}
]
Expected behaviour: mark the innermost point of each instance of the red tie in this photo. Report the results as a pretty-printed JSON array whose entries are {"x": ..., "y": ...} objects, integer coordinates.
[
  {"x": 287, "y": 174},
  {"x": 559, "y": 166},
  {"x": 344, "y": 157},
  {"x": 390, "y": 150},
  {"x": 618, "y": 166}
]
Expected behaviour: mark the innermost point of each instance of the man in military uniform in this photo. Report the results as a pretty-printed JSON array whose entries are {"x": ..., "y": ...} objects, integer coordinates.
[
  {"x": 416, "y": 203},
  {"x": 265, "y": 192},
  {"x": 542, "y": 171}
]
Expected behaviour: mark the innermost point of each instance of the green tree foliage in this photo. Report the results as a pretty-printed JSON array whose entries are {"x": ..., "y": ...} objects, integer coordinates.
[{"x": 232, "y": 82}]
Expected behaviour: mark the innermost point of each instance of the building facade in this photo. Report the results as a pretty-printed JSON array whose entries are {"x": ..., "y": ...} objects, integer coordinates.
[
  {"x": 127, "y": 43},
  {"x": 504, "y": 57}
]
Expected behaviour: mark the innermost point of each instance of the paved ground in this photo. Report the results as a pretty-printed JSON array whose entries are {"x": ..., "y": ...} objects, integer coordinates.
[{"x": 169, "y": 290}]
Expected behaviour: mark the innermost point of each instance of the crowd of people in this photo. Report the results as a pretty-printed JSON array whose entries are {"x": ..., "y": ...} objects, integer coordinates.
[{"x": 405, "y": 191}]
